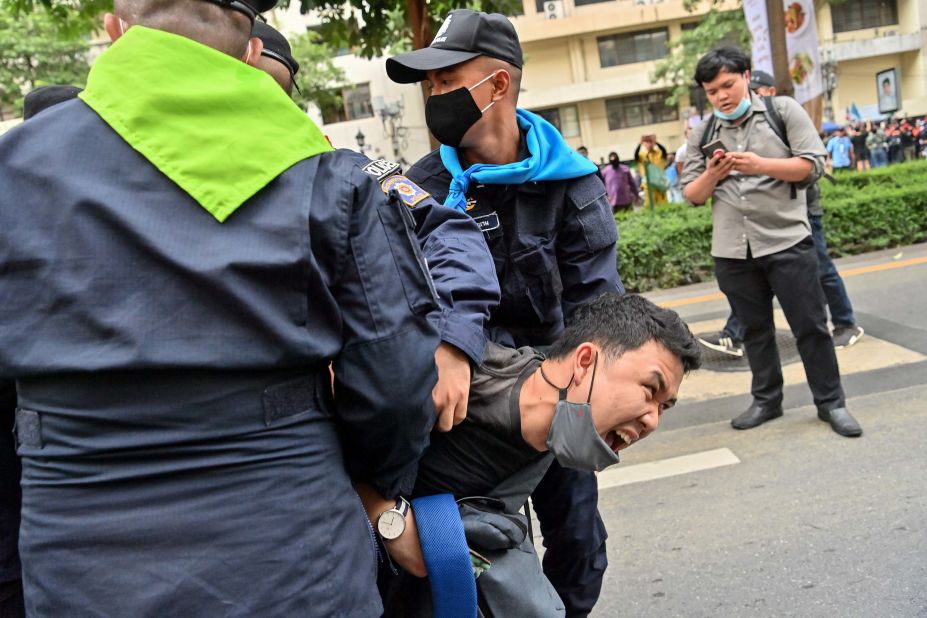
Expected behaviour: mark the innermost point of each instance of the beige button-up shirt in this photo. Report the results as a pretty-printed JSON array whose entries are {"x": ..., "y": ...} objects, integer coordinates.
[{"x": 758, "y": 211}]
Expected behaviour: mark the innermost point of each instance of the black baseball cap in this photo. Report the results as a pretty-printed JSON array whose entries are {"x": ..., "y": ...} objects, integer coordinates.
[
  {"x": 44, "y": 97},
  {"x": 464, "y": 35},
  {"x": 275, "y": 46},
  {"x": 761, "y": 79},
  {"x": 251, "y": 8}
]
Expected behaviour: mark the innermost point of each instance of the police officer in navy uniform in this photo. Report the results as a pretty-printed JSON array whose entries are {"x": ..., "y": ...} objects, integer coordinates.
[
  {"x": 545, "y": 217},
  {"x": 462, "y": 267},
  {"x": 184, "y": 255}
]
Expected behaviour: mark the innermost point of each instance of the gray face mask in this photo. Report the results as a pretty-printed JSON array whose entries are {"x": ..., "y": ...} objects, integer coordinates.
[{"x": 573, "y": 439}]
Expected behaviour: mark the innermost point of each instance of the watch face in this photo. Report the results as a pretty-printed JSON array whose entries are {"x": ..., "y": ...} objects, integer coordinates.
[{"x": 391, "y": 524}]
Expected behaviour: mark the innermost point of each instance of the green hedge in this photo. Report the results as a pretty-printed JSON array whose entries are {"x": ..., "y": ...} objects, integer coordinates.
[{"x": 883, "y": 208}]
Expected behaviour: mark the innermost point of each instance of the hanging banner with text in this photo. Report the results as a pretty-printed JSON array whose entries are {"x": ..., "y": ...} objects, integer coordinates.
[
  {"x": 758, "y": 22},
  {"x": 801, "y": 38}
]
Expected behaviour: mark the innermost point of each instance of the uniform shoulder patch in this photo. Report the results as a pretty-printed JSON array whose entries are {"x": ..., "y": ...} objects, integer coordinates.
[
  {"x": 381, "y": 169},
  {"x": 408, "y": 191}
]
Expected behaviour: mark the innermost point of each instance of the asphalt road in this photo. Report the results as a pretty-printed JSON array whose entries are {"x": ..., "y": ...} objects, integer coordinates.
[{"x": 807, "y": 523}]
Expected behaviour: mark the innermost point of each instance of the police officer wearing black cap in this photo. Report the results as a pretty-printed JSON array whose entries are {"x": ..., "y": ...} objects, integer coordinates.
[
  {"x": 545, "y": 217},
  {"x": 183, "y": 256},
  {"x": 276, "y": 57}
]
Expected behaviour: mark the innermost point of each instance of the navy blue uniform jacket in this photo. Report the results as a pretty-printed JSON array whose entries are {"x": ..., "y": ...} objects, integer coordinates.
[
  {"x": 182, "y": 451},
  {"x": 552, "y": 243}
]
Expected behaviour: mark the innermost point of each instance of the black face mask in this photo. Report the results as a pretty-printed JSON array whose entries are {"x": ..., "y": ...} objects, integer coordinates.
[
  {"x": 615, "y": 163},
  {"x": 449, "y": 116}
]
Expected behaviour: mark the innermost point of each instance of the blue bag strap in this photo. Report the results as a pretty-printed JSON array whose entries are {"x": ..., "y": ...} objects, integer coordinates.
[{"x": 447, "y": 557}]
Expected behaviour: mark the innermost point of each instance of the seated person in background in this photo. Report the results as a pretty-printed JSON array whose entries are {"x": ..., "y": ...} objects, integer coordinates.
[{"x": 605, "y": 383}]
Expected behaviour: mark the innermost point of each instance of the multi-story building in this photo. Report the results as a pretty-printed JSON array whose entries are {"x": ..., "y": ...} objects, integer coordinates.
[
  {"x": 862, "y": 38},
  {"x": 590, "y": 63},
  {"x": 382, "y": 118},
  {"x": 589, "y": 68}
]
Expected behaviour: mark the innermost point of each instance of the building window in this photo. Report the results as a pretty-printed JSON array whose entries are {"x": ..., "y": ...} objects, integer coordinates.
[
  {"x": 585, "y": 2},
  {"x": 355, "y": 104},
  {"x": 630, "y": 47},
  {"x": 862, "y": 14},
  {"x": 638, "y": 110},
  {"x": 566, "y": 119}
]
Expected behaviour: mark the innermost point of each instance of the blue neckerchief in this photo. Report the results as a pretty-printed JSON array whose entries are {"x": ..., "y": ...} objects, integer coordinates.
[{"x": 551, "y": 159}]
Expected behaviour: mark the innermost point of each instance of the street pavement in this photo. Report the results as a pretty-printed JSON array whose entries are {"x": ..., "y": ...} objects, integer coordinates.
[{"x": 787, "y": 519}]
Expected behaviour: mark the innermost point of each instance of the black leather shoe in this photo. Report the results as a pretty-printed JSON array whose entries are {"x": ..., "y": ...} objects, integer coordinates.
[
  {"x": 756, "y": 415},
  {"x": 841, "y": 422}
]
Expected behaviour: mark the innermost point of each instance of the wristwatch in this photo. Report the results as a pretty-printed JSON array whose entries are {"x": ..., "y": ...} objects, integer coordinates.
[{"x": 392, "y": 523}]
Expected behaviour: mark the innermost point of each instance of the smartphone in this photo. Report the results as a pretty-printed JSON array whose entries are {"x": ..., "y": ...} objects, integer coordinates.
[{"x": 710, "y": 149}]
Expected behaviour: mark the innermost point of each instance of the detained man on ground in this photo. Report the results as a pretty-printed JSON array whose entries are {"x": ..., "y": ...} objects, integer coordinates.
[{"x": 603, "y": 387}]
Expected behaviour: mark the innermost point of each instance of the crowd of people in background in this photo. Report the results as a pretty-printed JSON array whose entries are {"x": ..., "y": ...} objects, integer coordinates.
[
  {"x": 861, "y": 146},
  {"x": 866, "y": 144}
]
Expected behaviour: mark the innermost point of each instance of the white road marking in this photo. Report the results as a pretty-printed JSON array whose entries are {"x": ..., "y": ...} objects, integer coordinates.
[{"x": 652, "y": 470}]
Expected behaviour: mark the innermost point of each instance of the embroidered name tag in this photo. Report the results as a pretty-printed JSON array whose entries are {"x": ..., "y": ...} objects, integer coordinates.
[
  {"x": 381, "y": 169},
  {"x": 408, "y": 191},
  {"x": 488, "y": 222}
]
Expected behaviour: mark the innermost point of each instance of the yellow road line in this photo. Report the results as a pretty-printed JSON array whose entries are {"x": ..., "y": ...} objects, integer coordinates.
[
  {"x": 850, "y": 272},
  {"x": 862, "y": 270}
]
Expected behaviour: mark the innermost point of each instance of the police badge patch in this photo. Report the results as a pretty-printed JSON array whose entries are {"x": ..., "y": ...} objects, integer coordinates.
[
  {"x": 408, "y": 191},
  {"x": 381, "y": 169}
]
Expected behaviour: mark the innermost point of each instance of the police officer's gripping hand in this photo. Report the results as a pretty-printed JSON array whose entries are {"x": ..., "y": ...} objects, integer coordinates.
[{"x": 452, "y": 391}]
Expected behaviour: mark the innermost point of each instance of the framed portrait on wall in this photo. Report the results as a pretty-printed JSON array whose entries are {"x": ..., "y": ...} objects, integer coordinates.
[{"x": 889, "y": 91}]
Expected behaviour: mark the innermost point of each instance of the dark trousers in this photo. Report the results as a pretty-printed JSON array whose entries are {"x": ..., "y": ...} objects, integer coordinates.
[
  {"x": 11, "y": 589},
  {"x": 792, "y": 277},
  {"x": 566, "y": 503},
  {"x": 838, "y": 301}
]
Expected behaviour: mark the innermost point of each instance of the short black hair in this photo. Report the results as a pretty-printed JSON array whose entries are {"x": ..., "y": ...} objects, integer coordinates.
[
  {"x": 619, "y": 323},
  {"x": 728, "y": 57}
]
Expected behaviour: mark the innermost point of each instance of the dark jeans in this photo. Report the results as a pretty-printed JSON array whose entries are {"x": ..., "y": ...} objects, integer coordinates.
[
  {"x": 879, "y": 157},
  {"x": 841, "y": 310},
  {"x": 792, "y": 277},
  {"x": 566, "y": 503}
]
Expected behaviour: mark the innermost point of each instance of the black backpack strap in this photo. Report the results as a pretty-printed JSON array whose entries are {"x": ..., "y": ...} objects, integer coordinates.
[
  {"x": 832, "y": 180},
  {"x": 708, "y": 135},
  {"x": 775, "y": 121},
  {"x": 774, "y": 118}
]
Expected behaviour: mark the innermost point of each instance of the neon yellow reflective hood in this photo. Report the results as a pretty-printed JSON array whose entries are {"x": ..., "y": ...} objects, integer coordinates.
[{"x": 220, "y": 129}]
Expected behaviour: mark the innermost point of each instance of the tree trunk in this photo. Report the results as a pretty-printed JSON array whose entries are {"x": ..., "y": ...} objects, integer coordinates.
[
  {"x": 421, "y": 37},
  {"x": 777, "y": 47}
]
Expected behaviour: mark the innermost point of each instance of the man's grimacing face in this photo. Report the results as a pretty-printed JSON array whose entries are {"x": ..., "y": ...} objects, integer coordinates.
[
  {"x": 631, "y": 392},
  {"x": 727, "y": 90}
]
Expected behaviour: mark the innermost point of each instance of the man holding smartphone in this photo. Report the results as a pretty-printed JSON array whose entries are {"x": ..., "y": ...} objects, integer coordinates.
[{"x": 761, "y": 238}]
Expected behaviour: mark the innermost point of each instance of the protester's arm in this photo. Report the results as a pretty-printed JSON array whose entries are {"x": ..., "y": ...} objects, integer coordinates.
[
  {"x": 467, "y": 287},
  {"x": 406, "y": 550},
  {"x": 385, "y": 371},
  {"x": 586, "y": 254}
]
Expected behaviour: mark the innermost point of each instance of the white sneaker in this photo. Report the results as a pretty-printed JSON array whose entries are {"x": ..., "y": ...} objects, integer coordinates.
[
  {"x": 845, "y": 336},
  {"x": 724, "y": 344}
]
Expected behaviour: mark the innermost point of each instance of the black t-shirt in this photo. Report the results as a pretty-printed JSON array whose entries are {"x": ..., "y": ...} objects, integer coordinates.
[
  {"x": 487, "y": 447},
  {"x": 859, "y": 142}
]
